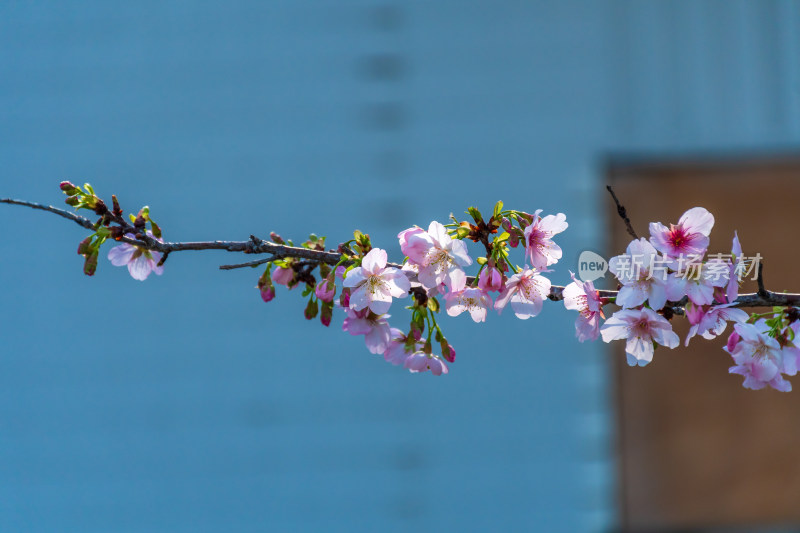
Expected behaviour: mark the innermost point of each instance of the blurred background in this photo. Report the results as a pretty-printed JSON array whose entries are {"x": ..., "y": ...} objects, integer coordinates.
[{"x": 185, "y": 403}]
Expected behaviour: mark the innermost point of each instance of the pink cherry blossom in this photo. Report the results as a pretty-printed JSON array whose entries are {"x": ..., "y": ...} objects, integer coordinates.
[
  {"x": 641, "y": 327},
  {"x": 376, "y": 330},
  {"x": 417, "y": 248},
  {"x": 643, "y": 275},
  {"x": 688, "y": 237},
  {"x": 422, "y": 362},
  {"x": 283, "y": 276},
  {"x": 470, "y": 299},
  {"x": 398, "y": 350},
  {"x": 491, "y": 279},
  {"x": 374, "y": 285},
  {"x": 697, "y": 281},
  {"x": 438, "y": 257},
  {"x": 710, "y": 322},
  {"x": 758, "y": 358},
  {"x": 581, "y": 296},
  {"x": 526, "y": 291},
  {"x": 140, "y": 261},
  {"x": 540, "y": 250}
]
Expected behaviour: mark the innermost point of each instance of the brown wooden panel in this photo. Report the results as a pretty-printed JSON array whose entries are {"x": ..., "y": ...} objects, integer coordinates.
[{"x": 697, "y": 449}]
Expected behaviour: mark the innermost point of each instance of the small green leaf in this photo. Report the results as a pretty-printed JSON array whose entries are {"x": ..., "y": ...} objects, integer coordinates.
[
  {"x": 475, "y": 214},
  {"x": 155, "y": 229},
  {"x": 498, "y": 208}
]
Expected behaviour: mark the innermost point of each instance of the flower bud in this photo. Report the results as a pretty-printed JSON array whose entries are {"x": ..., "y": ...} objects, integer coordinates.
[
  {"x": 325, "y": 289},
  {"x": 448, "y": 352},
  {"x": 733, "y": 340},
  {"x": 490, "y": 279},
  {"x": 283, "y": 276},
  {"x": 90, "y": 265},
  {"x": 525, "y": 219},
  {"x": 344, "y": 298},
  {"x": 326, "y": 313},
  {"x": 83, "y": 247},
  {"x": 73, "y": 201},
  {"x": 276, "y": 238},
  {"x": 69, "y": 189},
  {"x": 268, "y": 293},
  {"x": 311, "y": 309}
]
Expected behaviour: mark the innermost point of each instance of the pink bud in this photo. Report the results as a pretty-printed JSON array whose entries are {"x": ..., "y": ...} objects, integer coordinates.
[
  {"x": 283, "y": 276},
  {"x": 451, "y": 356},
  {"x": 733, "y": 340},
  {"x": 325, "y": 290},
  {"x": 68, "y": 188},
  {"x": 490, "y": 280},
  {"x": 268, "y": 293},
  {"x": 326, "y": 314}
]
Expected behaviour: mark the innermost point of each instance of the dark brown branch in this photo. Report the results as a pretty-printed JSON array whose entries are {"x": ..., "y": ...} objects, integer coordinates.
[
  {"x": 81, "y": 221},
  {"x": 762, "y": 298},
  {"x": 623, "y": 213}
]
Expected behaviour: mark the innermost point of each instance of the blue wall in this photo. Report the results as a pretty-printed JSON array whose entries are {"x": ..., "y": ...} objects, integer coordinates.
[{"x": 185, "y": 403}]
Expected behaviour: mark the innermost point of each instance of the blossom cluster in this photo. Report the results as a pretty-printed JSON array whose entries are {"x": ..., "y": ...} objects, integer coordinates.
[
  {"x": 706, "y": 288},
  {"x": 658, "y": 277},
  {"x": 433, "y": 270}
]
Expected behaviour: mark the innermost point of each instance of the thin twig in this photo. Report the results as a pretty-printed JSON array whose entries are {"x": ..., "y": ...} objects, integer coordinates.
[
  {"x": 622, "y": 213},
  {"x": 762, "y": 298},
  {"x": 248, "y": 264},
  {"x": 81, "y": 221},
  {"x": 764, "y": 293}
]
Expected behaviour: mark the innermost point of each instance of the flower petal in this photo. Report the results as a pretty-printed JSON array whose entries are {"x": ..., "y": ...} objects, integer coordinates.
[{"x": 121, "y": 255}]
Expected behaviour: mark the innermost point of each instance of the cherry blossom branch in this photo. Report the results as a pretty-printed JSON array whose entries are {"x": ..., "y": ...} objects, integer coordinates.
[
  {"x": 706, "y": 292},
  {"x": 762, "y": 298},
  {"x": 623, "y": 213}
]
